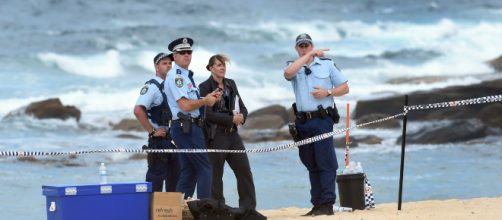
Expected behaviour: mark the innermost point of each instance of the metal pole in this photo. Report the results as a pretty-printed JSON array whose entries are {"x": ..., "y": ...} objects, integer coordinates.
[{"x": 403, "y": 150}]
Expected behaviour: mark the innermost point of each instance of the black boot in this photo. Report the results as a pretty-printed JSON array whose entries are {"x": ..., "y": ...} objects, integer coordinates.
[
  {"x": 323, "y": 209},
  {"x": 309, "y": 214}
]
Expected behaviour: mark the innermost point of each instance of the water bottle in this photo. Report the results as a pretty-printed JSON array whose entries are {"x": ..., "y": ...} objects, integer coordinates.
[
  {"x": 102, "y": 174},
  {"x": 359, "y": 168},
  {"x": 342, "y": 209}
]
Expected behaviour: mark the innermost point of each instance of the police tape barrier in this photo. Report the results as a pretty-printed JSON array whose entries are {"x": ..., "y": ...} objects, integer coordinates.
[
  {"x": 465, "y": 102},
  {"x": 473, "y": 101}
]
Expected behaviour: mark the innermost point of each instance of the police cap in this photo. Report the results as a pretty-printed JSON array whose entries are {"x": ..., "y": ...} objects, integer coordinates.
[
  {"x": 303, "y": 38},
  {"x": 159, "y": 57},
  {"x": 181, "y": 44}
]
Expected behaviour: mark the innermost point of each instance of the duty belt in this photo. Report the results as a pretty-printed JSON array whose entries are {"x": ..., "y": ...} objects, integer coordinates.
[
  {"x": 193, "y": 120},
  {"x": 312, "y": 114}
]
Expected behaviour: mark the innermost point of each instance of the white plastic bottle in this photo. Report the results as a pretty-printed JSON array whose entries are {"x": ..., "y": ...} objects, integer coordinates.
[
  {"x": 103, "y": 174},
  {"x": 359, "y": 168}
]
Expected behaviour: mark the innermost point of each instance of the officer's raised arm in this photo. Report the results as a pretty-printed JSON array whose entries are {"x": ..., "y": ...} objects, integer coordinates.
[
  {"x": 187, "y": 105},
  {"x": 293, "y": 68}
]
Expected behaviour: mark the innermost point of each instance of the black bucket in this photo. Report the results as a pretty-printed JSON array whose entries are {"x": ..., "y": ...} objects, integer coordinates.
[{"x": 351, "y": 190}]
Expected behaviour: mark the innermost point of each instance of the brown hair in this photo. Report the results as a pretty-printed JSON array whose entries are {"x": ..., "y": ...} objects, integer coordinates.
[{"x": 222, "y": 58}]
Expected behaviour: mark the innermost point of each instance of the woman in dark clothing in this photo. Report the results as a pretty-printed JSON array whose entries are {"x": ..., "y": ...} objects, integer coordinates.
[{"x": 222, "y": 121}]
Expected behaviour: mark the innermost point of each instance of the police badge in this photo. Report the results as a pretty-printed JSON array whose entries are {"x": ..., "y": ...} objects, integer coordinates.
[
  {"x": 179, "y": 82},
  {"x": 144, "y": 90}
]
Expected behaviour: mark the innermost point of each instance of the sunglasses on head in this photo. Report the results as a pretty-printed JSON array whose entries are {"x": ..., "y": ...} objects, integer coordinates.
[
  {"x": 189, "y": 52},
  {"x": 308, "y": 71}
]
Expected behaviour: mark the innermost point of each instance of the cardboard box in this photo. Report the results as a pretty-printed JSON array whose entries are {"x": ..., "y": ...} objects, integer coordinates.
[{"x": 166, "y": 206}]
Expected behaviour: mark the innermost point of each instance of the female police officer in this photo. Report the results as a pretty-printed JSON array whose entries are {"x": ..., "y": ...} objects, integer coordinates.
[
  {"x": 315, "y": 81},
  {"x": 153, "y": 114},
  {"x": 221, "y": 133}
]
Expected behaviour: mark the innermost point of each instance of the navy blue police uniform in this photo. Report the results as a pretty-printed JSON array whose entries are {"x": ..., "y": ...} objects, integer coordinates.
[
  {"x": 318, "y": 157},
  {"x": 162, "y": 167},
  {"x": 196, "y": 170}
]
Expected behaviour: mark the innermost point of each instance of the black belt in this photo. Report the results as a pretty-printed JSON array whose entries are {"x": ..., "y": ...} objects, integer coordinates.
[
  {"x": 193, "y": 120},
  {"x": 310, "y": 115},
  {"x": 226, "y": 129}
]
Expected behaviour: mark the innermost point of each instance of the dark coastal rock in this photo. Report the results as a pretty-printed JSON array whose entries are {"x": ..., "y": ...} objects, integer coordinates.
[
  {"x": 138, "y": 156},
  {"x": 70, "y": 161},
  {"x": 270, "y": 110},
  {"x": 369, "y": 139},
  {"x": 50, "y": 108},
  {"x": 496, "y": 64},
  {"x": 392, "y": 123},
  {"x": 418, "y": 80},
  {"x": 264, "y": 122},
  {"x": 271, "y": 117},
  {"x": 291, "y": 115},
  {"x": 128, "y": 125},
  {"x": 340, "y": 142},
  {"x": 491, "y": 115},
  {"x": 354, "y": 141},
  {"x": 458, "y": 131},
  {"x": 253, "y": 136},
  {"x": 394, "y": 105},
  {"x": 129, "y": 136}
]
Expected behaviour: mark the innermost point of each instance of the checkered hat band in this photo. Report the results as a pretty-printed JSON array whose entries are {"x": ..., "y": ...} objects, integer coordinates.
[
  {"x": 181, "y": 47},
  {"x": 157, "y": 61}
]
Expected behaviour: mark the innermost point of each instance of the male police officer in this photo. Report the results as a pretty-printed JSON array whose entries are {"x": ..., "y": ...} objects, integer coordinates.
[
  {"x": 154, "y": 115},
  {"x": 316, "y": 80},
  {"x": 184, "y": 101}
]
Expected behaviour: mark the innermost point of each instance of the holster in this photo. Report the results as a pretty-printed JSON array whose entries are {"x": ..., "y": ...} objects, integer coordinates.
[
  {"x": 185, "y": 122},
  {"x": 333, "y": 112},
  {"x": 209, "y": 133},
  {"x": 297, "y": 116},
  {"x": 294, "y": 132},
  {"x": 151, "y": 158}
]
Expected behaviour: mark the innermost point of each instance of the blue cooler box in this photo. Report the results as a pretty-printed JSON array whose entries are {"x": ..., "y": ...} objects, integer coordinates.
[{"x": 96, "y": 202}]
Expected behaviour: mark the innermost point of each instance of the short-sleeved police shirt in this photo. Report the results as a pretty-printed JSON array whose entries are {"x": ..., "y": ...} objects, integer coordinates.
[
  {"x": 324, "y": 74},
  {"x": 150, "y": 96},
  {"x": 177, "y": 86}
]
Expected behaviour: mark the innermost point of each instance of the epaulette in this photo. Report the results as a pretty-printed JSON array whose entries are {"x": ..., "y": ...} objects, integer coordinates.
[
  {"x": 289, "y": 62},
  {"x": 324, "y": 58},
  {"x": 336, "y": 67}
]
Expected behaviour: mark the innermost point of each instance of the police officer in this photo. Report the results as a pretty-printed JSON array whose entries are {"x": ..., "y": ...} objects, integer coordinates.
[
  {"x": 221, "y": 133},
  {"x": 154, "y": 115},
  {"x": 316, "y": 80},
  {"x": 185, "y": 101}
]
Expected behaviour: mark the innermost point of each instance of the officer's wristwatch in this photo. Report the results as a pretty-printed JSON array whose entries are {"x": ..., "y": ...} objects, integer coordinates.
[
  {"x": 329, "y": 92},
  {"x": 152, "y": 133}
]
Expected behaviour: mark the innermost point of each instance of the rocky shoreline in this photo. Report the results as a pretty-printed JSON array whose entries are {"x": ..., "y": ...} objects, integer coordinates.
[{"x": 460, "y": 124}]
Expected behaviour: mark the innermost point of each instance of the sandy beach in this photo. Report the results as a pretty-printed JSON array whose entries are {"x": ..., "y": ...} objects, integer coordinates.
[{"x": 479, "y": 208}]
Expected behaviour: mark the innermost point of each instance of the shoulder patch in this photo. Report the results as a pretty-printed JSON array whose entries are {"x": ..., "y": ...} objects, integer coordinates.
[
  {"x": 178, "y": 71},
  {"x": 179, "y": 82},
  {"x": 144, "y": 90}
]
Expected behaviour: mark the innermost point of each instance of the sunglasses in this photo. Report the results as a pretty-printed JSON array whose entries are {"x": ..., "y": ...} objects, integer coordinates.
[
  {"x": 303, "y": 45},
  {"x": 308, "y": 71},
  {"x": 189, "y": 52}
]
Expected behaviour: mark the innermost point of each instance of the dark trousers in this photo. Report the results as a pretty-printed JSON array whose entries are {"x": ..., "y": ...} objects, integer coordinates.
[
  {"x": 320, "y": 159},
  {"x": 196, "y": 169},
  {"x": 162, "y": 167},
  {"x": 238, "y": 162}
]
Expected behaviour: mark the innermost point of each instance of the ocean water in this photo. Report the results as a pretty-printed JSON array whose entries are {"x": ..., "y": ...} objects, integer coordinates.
[{"x": 96, "y": 55}]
